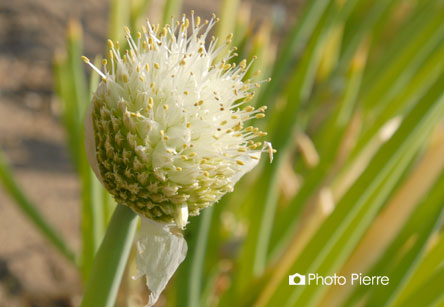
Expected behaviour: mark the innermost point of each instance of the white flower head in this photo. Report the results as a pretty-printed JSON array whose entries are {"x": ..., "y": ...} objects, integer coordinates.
[{"x": 169, "y": 134}]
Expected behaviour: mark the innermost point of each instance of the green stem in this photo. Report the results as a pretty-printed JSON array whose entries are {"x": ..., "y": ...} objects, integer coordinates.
[
  {"x": 109, "y": 263},
  {"x": 92, "y": 217},
  {"x": 198, "y": 259}
]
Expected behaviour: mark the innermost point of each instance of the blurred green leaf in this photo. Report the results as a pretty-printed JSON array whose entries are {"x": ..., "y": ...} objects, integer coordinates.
[
  {"x": 426, "y": 268},
  {"x": 327, "y": 140},
  {"x": 73, "y": 92},
  {"x": 430, "y": 293},
  {"x": 410, "y": 56},
  {"x": 261, "y": 55},
  {"x": 365, "y": 17},
  {"x": 254, "y": 257},
  {"x": 243, "y": 25},
  {"x": 226, "y": 24},
  {"x": 418, "y": 85},
  {"x": 299, "y": 34},
  {"x": 337, "y": 236},
  {"x": 189, "y": 286},
  {"x": 407, "y": 249},
  {"x": 138, "y": 12},
  {"x": 31, "y": 211},
  {"x": 401, "y": 266},
  {"x": 171, "y": 9},
  {"x": 389, "y": 222},
  {"x": 119, "y": 16}
]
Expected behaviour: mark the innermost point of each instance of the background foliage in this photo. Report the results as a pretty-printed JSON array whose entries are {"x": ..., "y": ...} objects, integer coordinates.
[{"x": 355, "y": 110}]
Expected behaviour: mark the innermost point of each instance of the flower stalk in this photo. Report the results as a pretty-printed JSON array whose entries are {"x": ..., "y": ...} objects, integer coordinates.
[{"x": 109, "y": 263}]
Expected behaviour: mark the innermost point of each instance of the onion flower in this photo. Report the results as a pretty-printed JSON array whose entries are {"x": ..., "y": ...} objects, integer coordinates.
[{"x": 167, "y": 133}]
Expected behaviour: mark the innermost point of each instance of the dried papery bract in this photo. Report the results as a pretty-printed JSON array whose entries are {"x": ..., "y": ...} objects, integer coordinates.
[{"x": 169, "y": 122}]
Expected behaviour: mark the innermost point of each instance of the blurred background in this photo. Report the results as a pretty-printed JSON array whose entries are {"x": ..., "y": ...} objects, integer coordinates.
[
  {"x": 355, "y": 111},
  {"x": 33, "y": 137}
]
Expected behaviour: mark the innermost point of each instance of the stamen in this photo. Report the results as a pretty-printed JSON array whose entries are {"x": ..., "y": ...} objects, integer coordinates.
[{"x": 86, "y": 60}]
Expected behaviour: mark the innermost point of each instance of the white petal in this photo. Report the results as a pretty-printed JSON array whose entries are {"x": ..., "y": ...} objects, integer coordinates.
[
  {"x": 182, "y": 216},
  {"x": 159, "y": 253},
  {"x": 249, "y": 164}
]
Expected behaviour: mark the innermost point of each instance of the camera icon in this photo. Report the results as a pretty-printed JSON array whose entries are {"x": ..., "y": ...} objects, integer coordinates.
[{"x": 296, "y": 280}]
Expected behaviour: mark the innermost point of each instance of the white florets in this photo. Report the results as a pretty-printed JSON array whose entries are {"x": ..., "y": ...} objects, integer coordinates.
[{"x": 169, "y": 122}]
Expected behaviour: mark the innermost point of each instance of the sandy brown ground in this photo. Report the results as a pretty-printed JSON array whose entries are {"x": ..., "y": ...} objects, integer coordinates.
[{"x": 32, "y": 273}]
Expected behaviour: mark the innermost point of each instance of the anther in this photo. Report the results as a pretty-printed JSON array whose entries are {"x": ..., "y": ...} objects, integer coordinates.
[{"x": 263, "y": 108}]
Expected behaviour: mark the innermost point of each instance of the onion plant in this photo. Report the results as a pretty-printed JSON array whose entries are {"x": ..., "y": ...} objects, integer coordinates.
[{"x": 355, "y": 110}]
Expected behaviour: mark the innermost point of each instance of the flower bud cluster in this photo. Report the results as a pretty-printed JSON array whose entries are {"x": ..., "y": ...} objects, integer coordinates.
[{"x": 169, "y": 121}]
